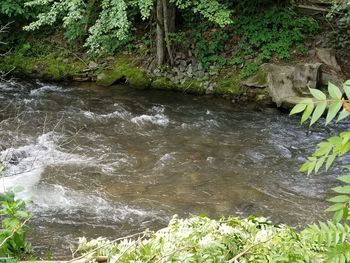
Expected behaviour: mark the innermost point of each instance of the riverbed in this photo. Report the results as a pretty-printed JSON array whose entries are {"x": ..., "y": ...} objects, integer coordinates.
[{"x": 114, "y": 161}]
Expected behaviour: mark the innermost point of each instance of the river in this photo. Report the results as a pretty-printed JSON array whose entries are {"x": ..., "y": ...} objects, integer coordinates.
[{"x": 113, "y": 161}]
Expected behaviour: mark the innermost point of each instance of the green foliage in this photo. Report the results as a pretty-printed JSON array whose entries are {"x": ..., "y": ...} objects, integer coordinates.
[
  {"x": 270, "y": 34},
  {"x": 340, "y": 7},
  {"x": 333, "y": 238},
  {"x": 201, "y": 239},
  {"x": 15, "y": 9},
  {"x": 232, "y": 239},
  {"x": 13, "y": 231},
  {"x": 209, "y": 44},
  {"x": 113, "y": 25},
  {"x": 14, "y": 218},
  {"x": 330, "y": 239},
  {"x": 332, "y": 148}
]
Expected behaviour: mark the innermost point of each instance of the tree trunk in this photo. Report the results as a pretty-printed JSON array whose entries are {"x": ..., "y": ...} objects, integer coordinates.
[
  {"x": 171, "y": 17},
  {"x": 160, "y": 34},
  {"x": 165, "y": 20},
  {"x": 166, "y": 31}
]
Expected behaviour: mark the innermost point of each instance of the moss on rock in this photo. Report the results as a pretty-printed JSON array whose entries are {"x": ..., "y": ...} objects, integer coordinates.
[
  {"x": 192, "y": 87},
  {"x": 163, "y": 83},
  {"x": 189, "y": 86},
  {"x": 229, "y": 86},
  {"x": 124, "y": 68},
  {"x": 49, "y": 67}
]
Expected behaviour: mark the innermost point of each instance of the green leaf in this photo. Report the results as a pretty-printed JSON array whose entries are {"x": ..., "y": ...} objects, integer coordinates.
[
  {"x": 335, "y": 207},
  {"x": 297, "y": 108},
  {"x": 346, "y": 87},
  {"x": 339, "y": 199},
  {"x": 342, "y": 115},
  {"x": 304, "y": 167},
  {"x": 22, "y": 214},
  {"x": 334, "y": 91},
  {"x": 330, "y": 161},
  {"x": 338, "y": 215},
  {"x": 311, "y": 167},
  {"x": 320, "y": 108},
  {"x": 345, "y": 179},
  {"x": 334, "y": 108},
  {"x": 342, "y": 189},
  {"x": 307, "y": 113},
  {"x": 319, "y": 164},
  {"x": 345, "y": 213},
  {"x": 317, "y": 94}
]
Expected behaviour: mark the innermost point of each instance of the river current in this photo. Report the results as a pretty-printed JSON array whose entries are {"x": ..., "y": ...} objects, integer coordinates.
[{"x": 114, "y": 161}]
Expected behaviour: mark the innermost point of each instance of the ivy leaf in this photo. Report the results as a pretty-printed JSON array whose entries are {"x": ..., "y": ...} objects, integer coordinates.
[
  {"x": 317, "y": 94},
  {"x": 334, "y": 91},
  {"x": 319, "y": 110},
  {"x": 333, "y": 110}
]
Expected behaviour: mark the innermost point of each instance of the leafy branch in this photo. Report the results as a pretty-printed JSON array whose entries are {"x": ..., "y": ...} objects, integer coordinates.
[{"x": 327, "y": 151}]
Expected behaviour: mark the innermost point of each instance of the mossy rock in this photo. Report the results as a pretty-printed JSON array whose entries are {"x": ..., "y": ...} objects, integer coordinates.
[
  {"x": 259, "y": 80},
  {"x": 124, "y": 69},
  {"x": 229, "y": 86},
  {"x": 163, "y": 83},
  {"x": 50, "y": 67},
  {"x": 191, "y": 87}
]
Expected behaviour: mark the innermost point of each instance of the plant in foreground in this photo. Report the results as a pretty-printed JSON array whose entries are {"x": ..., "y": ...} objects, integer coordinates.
[
  {"x": 336, "y": 104},
  {"x": 14, "y": 218}
]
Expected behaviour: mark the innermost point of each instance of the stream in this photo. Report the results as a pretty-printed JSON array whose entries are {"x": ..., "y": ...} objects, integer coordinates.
[{"x": 114, "y": 161}]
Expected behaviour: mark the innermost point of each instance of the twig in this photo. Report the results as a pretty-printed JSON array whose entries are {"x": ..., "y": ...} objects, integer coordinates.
[{"x": 234, "y": 259}]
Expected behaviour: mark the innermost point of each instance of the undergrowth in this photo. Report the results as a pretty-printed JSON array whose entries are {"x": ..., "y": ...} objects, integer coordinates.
[
  {"x": 200, "y": 239},
  {"x": 251, "y": 39}
]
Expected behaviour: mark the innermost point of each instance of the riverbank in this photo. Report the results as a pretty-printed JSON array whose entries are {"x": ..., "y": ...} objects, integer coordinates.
[
  {"x": 238, "y": 62},
  {"x": 128, "y": 69}
]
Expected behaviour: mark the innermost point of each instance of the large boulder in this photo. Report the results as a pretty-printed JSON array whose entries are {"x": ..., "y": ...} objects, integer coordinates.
[
  {"x": 327, "y": 56},
  {"x": 287, "y": 85}
]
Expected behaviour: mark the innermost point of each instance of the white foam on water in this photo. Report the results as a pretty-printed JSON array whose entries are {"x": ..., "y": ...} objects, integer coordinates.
[
  {"x": 158, "y": 119},
  {"x": 25, "y": 164},
  {"x": 57, "y": 200},
  {"x": 120, "y": 113},
  {"x": 45, "y": 89}
]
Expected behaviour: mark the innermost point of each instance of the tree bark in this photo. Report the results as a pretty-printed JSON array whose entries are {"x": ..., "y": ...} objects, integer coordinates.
[
  {"x": 171, "y": 17},
  {"x": 160, "y": 34},
  {"x": 166, "y": 31}
]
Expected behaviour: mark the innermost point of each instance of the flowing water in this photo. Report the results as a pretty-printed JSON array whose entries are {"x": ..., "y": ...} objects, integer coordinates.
[{"x": 115, "y": 161}]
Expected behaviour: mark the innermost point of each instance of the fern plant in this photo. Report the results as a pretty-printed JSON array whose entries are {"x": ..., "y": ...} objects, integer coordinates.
[{"x": 337, "y": 106}]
